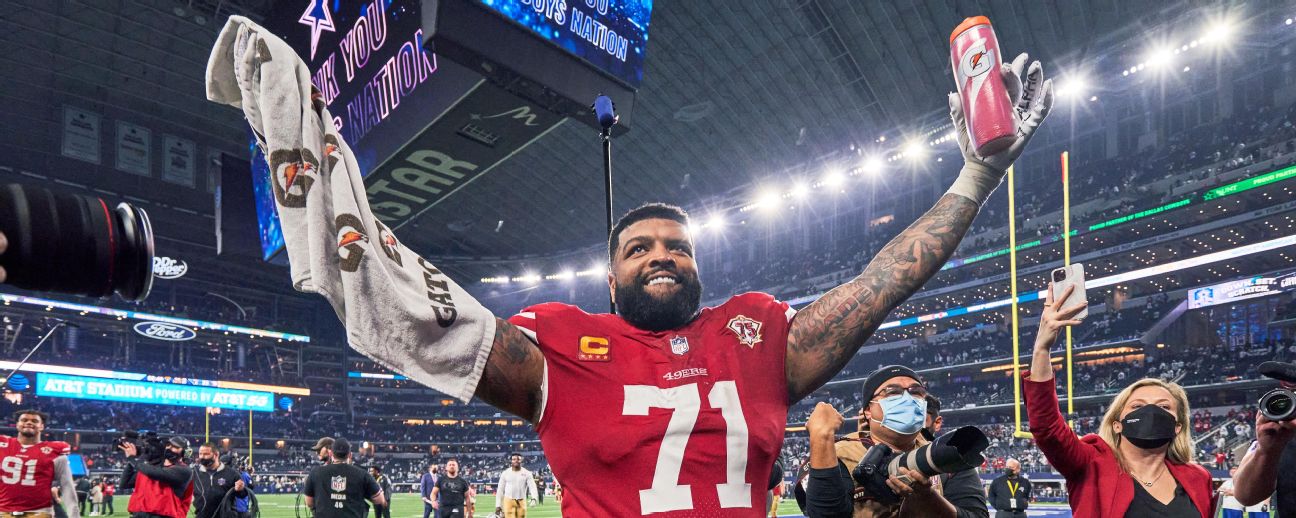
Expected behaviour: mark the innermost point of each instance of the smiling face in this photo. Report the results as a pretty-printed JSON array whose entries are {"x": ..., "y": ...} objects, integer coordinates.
[
  {"x": 654, "y": 279},
  {"x": 30, "y": 426}
]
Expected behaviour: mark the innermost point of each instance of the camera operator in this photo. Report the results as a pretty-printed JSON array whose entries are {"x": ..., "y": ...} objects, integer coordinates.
[
  {"x": 214, "y": 479},
  {"x": 894, "y": 417},
  {"x": 162, "y": 489},
  {"x": 1270, "y": 464}
]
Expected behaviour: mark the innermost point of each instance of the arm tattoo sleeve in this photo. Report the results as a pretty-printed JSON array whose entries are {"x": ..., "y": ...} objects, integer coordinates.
[
  {"x": 826, "y": 334},
  {"x": 514, "y": 372}
]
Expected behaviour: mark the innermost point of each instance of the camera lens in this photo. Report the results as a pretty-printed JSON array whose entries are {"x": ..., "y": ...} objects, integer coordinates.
[
  {"x": 1278, "y": 405},
  {"x": 1059, "y": 275},
  {"x": 75, "y": 244}
]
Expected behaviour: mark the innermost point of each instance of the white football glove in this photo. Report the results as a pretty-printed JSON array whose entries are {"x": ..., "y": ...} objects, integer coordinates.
[{"x": 1031, "y": 104}]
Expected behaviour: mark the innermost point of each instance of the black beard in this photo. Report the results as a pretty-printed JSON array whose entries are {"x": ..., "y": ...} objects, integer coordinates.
[
  {"x": 644, "y": 311},
  {"x": 27, "y": 433}
]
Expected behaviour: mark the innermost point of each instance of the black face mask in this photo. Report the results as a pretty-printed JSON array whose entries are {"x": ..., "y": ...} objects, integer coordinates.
[
  {"x": 170, "y": 455},
  {"x": 207, "y": 462},
  {"x": 1149, "y": 427}
]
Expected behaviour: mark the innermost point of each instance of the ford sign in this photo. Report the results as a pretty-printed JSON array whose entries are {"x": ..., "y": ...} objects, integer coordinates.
[
  {"x": 168, "y": 268},
  {"x": 165, "y": 331}
]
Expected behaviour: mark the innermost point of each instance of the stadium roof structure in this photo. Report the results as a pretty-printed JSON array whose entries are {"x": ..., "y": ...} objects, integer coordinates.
[{"x": 734, "y": 95}]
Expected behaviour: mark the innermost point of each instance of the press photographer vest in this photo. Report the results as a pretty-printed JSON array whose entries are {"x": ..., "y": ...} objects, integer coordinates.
[
  {"x": 153, "y": 497},
  {"x": 850, "y": 449}
]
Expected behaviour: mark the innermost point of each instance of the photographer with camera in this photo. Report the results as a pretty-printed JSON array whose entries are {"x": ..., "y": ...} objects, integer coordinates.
[
  {"x": 888, "y": 469},
  {"x": 213, "y": 480},
  {"x": 156, "y": 470},
  {"x": 1140, "y": 462},
  {"x": 1270, "y": 465}
]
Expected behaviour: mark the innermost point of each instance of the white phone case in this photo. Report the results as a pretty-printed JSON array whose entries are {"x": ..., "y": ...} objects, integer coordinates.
[{"x": 1070, "y": 276}]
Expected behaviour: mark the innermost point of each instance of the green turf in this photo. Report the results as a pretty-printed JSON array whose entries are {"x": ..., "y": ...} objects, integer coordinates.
[{"x": 410, "y": 506}]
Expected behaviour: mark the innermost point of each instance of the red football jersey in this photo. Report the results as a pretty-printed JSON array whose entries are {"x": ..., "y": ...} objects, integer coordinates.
[
  {"x": 27, "y": 472},
  {"x": 672, "y": 424}
]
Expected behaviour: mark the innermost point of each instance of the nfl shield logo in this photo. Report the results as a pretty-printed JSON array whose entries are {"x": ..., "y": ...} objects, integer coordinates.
[
  {"x": 338, "y": 483},
  {"x": 679, "y": 345}
]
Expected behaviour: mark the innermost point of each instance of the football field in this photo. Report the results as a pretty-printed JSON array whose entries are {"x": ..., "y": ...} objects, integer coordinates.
[{"x": 410, "y": 506}]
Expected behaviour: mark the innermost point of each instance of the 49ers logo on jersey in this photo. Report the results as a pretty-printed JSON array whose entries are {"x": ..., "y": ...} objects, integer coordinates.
[
  {"x": 747, "y": 329},
  {"x": 47, "y": 450},
  {"x": 350, "y": 235},
  {"x": 593, "y": 349}
]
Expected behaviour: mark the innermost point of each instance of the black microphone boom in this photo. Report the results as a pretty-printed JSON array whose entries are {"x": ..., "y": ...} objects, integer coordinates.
[{"x": 605, "y": 111}]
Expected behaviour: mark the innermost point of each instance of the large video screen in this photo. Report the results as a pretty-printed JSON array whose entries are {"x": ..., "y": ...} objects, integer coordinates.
[
  {"x": 103, "y": 389},
  {"x": 609, "y": 34},
  {"x": 268, "y": 228}
]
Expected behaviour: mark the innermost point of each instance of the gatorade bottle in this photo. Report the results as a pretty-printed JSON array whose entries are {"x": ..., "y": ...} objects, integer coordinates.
[{"x": 974, "y": 54}]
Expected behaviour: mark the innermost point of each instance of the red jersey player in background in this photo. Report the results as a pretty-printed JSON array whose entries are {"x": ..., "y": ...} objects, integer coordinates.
[
  {"x": 29, "y": 467},
  {"x": 664, "y": 409}
]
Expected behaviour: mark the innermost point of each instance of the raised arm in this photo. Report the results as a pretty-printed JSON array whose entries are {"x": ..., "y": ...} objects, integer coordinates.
[
  {"x": 825, "y": 335},
  {"x": 1055, "y": 438}
]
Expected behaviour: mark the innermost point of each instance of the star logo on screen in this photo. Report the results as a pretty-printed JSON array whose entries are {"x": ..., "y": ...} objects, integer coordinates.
[{"x": 317, "y": 17}]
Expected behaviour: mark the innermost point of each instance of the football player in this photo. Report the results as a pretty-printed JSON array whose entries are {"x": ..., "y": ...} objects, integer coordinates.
[
  {"x": 665, "y": 408},
  {"x": 29, "y": 467}
]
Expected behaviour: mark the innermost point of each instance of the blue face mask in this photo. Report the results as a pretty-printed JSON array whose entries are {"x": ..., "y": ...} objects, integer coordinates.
[{"x": 903, "y": 414}]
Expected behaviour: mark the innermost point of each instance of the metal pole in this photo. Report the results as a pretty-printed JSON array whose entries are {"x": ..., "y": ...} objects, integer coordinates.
[
  {"x": 607, "y": 185},
  {"x": 48, "y": 334}
]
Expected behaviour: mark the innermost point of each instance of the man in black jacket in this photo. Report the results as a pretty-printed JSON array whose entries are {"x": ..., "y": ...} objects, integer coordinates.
[
  {"x": 894, "y": 416},
  {"x": 214, "y": 479},
  {"x": 1010, "y": 494}
]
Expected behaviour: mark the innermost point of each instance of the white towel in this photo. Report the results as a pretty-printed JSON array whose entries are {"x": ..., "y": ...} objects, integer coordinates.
[{"x": 398, "y": 309}]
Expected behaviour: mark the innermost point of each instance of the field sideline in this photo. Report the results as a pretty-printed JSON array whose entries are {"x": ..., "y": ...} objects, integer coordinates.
[{"x": 410, "y": 506}]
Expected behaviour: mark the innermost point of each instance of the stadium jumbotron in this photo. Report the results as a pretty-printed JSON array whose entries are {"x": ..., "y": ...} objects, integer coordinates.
[{"x": 507, "y": 258}]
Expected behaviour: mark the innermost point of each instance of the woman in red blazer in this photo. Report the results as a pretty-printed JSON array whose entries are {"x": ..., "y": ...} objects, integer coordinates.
[{"x": 1140, "y": 463}]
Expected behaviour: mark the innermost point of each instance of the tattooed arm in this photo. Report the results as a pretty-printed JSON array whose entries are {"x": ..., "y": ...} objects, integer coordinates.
[
  {"x": 513, "y": 373},
  {"x": 826, "y": 334}
]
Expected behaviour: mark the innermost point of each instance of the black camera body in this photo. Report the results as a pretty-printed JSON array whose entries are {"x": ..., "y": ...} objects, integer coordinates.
[
  {"x": 69, "y": 243},
  {"x": 1279, "y": 404},
  {"x": 949, "y": 453},
  {"x": 148, "y": 446}
]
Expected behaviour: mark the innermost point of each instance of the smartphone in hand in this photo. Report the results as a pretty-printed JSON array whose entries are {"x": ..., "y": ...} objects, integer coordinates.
[{"x": 1070, "y": 276}]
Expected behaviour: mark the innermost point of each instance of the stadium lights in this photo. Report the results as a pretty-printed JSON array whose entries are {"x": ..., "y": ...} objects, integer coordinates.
[
  {"x": 716, "y": 221},
  {"x": 1160, "y": 57},
  {"x": 799, "y": 191},
  {"x": 1219, "y": 33},
  {"x": 1072, "y": 87},
  {"x": 833, "y": 179},
  {"x": 873, "y": 165},
  {"x": 768, "y": 199},
  {"x": 915, "y": 149}
]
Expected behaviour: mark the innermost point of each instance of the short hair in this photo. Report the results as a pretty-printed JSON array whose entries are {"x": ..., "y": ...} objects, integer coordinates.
[
  {"x": 646, "y": 211},
  {"x": 31, "y": 411},
  {"x": 452, "y": 459},
  {"x": 209, "y": 445},
  {"x": 933, "y": 406},
  {"x": 515, "y": 454}
]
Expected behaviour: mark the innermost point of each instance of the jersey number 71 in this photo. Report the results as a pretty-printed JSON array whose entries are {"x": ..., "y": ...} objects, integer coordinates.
[{"x": 666, "y": 493}]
